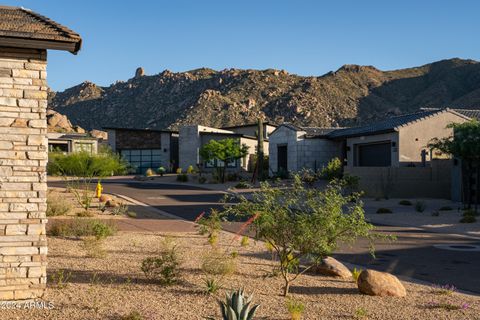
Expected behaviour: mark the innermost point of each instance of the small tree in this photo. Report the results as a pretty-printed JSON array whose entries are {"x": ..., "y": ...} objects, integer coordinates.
[
  {"x": 225, "y": 150},
  {"x": 304, "y": 224},
  {"x": 465, "y": 145},
  {"x": 80, "y": 168}
]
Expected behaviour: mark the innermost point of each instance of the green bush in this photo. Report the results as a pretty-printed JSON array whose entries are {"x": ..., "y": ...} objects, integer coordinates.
[
  {"x": 190, "y": 169},
  {"x": 242, "y": 185},
  {"x": 468, "y": 217},
  {"x": 308, "y": 176},
  {"x": 57, "y": 206},
  {"x": 405, "y": 203},
  {"x": 79, "y": 227},
  {"x": 161, "y": 171},
  {"x": 295, "y": 308},
  {"x": 163, "y": 268},
  {"x": 202, "y": 180},
  {"x": 383, "y": 210},
  {"x": 183, "y": 177},
  {"x": 333, "y": 170},
  {"x": 232, "y": 176},
  {"x": 420, "y": 206},
  {"x": 217, "y": 262},
  {"x": 445, "y": 208}
]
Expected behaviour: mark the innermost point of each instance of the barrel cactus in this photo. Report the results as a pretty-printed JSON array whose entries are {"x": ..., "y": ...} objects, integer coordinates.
[{"x": 237, "y": 306}]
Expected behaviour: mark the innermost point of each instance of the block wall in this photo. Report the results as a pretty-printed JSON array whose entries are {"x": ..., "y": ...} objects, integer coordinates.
[{"x": 23, "y": 157}]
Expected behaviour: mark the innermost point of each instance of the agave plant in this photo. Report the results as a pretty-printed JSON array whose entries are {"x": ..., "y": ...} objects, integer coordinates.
[{"x": 237, "y": 306}]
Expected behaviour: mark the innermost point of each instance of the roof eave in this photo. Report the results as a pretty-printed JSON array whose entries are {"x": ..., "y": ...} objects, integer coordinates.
[{"x": 15, "y": 42}]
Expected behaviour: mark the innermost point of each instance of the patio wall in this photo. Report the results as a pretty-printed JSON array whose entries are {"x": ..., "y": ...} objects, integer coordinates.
[{"x": 406, "y": 182}]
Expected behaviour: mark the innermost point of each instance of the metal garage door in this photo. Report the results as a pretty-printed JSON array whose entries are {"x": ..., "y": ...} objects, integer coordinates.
[
  {"x": 143, "y": 159},
  {"x": 374, "y": 155}
]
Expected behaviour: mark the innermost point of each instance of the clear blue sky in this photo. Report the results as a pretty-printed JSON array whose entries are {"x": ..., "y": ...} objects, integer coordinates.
[{"x": 303, "y": 37}]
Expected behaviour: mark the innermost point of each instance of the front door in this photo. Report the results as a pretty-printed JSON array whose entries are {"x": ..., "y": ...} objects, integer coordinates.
[{"x": 282, "y": 164}]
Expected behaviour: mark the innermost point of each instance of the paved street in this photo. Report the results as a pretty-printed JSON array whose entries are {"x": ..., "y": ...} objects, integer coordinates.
[{"x": 413, "y": 254}]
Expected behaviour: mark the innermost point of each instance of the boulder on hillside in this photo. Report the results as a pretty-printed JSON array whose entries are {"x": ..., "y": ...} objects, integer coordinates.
[
  {"x": 376, "y": 283},
  {"x": 101, "y": 135},
  {"x": 57, "y": 122},
  {"x": 332, "y": 267}
]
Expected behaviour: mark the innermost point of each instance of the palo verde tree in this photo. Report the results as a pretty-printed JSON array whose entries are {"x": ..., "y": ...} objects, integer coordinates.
[
  {"x": 80, "y": 168},
  {"x": 304, "y": 225},
  {"x": 225, "y": 150},
  {"x": 464, "y": 144}
]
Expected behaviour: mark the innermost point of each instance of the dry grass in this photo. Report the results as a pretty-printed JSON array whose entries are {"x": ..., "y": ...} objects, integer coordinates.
[{"x": 114, "y": 287}]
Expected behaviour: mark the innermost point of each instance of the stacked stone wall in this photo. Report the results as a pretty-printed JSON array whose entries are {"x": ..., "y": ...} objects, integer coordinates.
[{"x": 23, "y": 158}]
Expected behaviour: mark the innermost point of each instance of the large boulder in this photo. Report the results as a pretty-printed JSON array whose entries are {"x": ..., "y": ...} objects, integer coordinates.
[
  {"x": 332, "y": 267},
  {"x": 376, "y": 283}
]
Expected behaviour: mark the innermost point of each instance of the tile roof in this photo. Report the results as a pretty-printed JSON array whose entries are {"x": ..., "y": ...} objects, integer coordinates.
[
  {"x": 387, "y": 125},
  {"x": 23, "y": 24}
]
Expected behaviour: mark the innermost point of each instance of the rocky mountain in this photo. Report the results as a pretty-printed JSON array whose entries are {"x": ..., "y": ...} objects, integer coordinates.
[{"x": 349, "y": 96}]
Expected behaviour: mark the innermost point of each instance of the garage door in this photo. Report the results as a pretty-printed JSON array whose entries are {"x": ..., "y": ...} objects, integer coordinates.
[
  {"x": 143, "y": 159},
  {"x": 374, "y": 155}
]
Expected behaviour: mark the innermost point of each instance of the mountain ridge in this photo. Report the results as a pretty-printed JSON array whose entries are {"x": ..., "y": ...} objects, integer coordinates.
[{"x": 351, "y": 95}]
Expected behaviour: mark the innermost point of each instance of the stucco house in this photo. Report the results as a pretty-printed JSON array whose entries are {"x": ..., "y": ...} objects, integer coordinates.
[
  {"x": 72, "y": 142},
  {"x": 25, "y": 37},
  {"x": 192, "y": 138},
  {"x": 145, "y": 148},
  {"x": 292, "y": 148}
]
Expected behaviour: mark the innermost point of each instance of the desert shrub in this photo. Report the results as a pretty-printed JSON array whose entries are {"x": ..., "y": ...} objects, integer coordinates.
[
  {"x": 161, "y": 171},
  {"x": 383, "y": 210},
  {"x": 60, "y": 278},
  {"x": 295, "y": 308},
  {"x": 120, "y": 210},
  {"x": 420, "y": 206},
  {"x": 82, "y": 228},
  {"x": 57, "y": 206},
  {"x": 333, "y": 170},
  {"x": 360, "y": 314},
  {"x": 85, "y": 214},
  {"x": 281, "y": 174},
  {"x": 210, "y": 225},
  {"x": 93, "y": 247},
  {"x": 308, "y": 176},
  {"x": 242, "y": 185},
  {"x": 351, "y": 182},
  {"x": 183, "y": 177},
  {"x": 212, "y": 285},
  {"x": 132, "y": 214},
  {"x": 202, "y": 180},
  {"x": 405, "y": 203},
  {"x": 445, "y": 208},
  {"x": 303, "y": 224},
  {"x": 356, "y": 273},
  {"x": 233, "y": 176},
  {"x": 190, "y": 169},
  {"x": 217, "y": 262},
  {"x": 133, "y": 315},
  {"x": 468, "y": 217},
  {"x": 149, "y": 172},
  {"x": 179, "y": 170},
  {"x": 164, "y": 268},
  {"x": 244, "y": 242}
]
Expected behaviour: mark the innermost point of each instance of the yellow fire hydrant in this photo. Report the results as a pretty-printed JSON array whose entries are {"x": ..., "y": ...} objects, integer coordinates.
[{"x": 98, "y": 190}]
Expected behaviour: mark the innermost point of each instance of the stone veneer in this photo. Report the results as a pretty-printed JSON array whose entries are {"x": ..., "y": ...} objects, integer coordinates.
[{"x": 23, "y": 158}]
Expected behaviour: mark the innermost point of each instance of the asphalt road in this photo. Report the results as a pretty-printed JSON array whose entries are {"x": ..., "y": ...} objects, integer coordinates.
[{"x": 414, "y": 254}]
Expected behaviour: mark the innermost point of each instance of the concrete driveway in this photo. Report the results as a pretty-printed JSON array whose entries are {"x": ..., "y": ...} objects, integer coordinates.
[{"x": 417, "y": 253}]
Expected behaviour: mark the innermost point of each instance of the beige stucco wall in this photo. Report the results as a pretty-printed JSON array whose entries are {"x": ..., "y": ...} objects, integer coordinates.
[
  {"x": 415, "y": 137},
  {"x": 23, "y": 188}
]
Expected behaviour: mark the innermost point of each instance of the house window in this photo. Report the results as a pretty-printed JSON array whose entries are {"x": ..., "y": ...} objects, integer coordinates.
[
  {"x": 220, "y": 163},
  {"x": 84, "y": 147},
  {"x": 142, "y": 159},
  {"x": 232, "y": 163},
  {"x": 210, "y": 163}
]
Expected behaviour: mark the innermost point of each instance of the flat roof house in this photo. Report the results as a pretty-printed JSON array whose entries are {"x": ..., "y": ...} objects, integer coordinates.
[
  {"x": 192, "y": 138},
  {"x": 145, "y": 148},
  {"x": 25, "y": 37},
  {"x": 293, "y": 148},
  {"x": 72, "y": 142}
]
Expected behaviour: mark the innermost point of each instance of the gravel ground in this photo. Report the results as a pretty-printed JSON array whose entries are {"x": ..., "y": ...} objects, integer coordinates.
[
  {"x": 445, "y": 222},
  {"x": 111, "y": 287}
]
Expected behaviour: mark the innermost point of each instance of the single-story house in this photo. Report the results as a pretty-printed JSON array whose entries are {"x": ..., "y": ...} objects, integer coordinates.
[
  {"x": 397, "y": 141},
  {"x": 25, "y": 37},
  {"x": 145, "y": 148},
  {"x": 293, "y": 148},
  {"x": 71, "y": 142},
  {"x": 192, "y": 138},
  {"x": 251, "y": 129}
]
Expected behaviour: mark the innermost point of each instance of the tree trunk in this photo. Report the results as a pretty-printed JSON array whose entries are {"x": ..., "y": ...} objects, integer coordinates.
[{"x": 286, "y": 288}]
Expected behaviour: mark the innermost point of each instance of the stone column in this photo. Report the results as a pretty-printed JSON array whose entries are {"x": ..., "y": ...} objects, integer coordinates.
[{"x": 23, "y": 158}]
